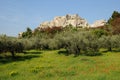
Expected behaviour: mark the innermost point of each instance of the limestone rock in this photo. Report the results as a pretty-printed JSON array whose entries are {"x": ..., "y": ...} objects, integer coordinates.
[
  {"x": 98, "y": 23},
  {"x": 64, "y": 21},
  {"x": 20, "y": 34}
]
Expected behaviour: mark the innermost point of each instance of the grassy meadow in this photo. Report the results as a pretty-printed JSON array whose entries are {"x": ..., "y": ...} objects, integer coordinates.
[{"x": 54, "y": 65}]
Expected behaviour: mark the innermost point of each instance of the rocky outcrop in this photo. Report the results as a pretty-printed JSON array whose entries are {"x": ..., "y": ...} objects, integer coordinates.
[
  {"x": 98, "y": 23},
  {"x": 20, "y": 34},
  {"x": 59, "y": 22},
  {"x": 63, "y": 21}
]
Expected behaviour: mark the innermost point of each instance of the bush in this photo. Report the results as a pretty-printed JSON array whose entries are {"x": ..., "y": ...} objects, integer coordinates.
[
  {"x": 27, "y": 43},
  {"x": 44, "y": 44},
  {"x": 27, "y": 33},
  {"x": 99, "y": 32},
  {"x": 36, "y": 44},
  {"x": 53, "y": 44}
]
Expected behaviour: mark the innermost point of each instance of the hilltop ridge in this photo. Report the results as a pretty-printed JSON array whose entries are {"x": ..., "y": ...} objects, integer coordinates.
[
  {"x": 75, "y": 20},
  {"x": 63, "y": 21}
]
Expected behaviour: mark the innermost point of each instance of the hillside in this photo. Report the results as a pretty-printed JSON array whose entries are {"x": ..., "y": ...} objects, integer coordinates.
[{"x": 68, "y": 21}]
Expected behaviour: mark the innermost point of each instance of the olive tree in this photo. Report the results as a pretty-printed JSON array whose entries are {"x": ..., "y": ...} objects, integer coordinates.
[
  {"x": 110, "y": 42},
  {"x": 9, "y": 44}
]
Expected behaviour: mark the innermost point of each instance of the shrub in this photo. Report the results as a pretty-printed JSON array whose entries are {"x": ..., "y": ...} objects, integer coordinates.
[
  {"x": 27, "y": 33},
  {"x": 99, "y": 32},
  {"x": 27, "y": 43},
  {"x": 53, "y": 44},
  {"x": 35, "y": 43},
  {"x": 44, "y": 44}
]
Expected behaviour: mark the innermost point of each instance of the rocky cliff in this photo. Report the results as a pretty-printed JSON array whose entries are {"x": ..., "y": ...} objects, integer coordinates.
[
  {"x": 98, "y": 23},
  {"x": 63, "y": 21},
  {"x": 60, "y": 22}
]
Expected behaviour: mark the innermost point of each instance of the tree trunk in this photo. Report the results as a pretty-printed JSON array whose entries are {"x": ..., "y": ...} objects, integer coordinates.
[
  {"x": 109, "y": 49},
  {"x": 13, "y": 54}
]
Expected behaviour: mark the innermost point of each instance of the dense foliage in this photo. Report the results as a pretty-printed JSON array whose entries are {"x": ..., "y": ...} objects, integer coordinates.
[
  {"x": 77, "y": 41},
  {"x": 114, "y": 22},
  {"x": 11, "y": 45}
]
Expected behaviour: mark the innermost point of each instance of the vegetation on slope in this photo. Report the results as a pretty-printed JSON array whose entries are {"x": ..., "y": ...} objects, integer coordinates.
[{"x": 77, "y": 41}]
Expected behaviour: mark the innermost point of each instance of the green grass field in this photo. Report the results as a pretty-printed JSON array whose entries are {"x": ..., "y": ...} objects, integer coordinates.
[{"x": 49, "y": 65}]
